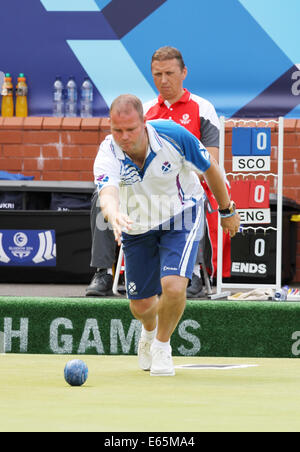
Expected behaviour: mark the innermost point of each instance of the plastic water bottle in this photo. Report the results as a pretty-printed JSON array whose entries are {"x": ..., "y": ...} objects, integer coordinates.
[
  {"x": 58, "y": 98},
  {"x": 71, "y": 103},
  {"x": 281, "y": 294},
  {"x": 86, "y": 101}
]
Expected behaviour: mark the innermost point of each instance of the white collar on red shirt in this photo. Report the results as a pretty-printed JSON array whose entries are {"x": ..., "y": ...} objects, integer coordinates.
[{"x": 184, "y": 99}]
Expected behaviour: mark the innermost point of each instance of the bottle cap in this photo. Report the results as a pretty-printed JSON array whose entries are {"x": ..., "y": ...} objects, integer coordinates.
[{"x": 21, "y": 75}]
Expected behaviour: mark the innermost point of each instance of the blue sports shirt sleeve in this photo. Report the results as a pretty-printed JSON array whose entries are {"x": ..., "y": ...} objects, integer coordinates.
[{"x": 197, "y": 158}]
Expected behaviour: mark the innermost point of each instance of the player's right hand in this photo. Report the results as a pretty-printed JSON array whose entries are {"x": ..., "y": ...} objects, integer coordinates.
[{"x": 120, "y": 223}]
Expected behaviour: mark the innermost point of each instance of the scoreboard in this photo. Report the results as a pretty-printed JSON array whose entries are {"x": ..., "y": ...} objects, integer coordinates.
[
  {"x": 251, "y": 155},
  {"x": 256, "y": 249}
]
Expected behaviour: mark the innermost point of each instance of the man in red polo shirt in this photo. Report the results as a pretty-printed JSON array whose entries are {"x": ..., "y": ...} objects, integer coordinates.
[{"x": 198, "y": 116}]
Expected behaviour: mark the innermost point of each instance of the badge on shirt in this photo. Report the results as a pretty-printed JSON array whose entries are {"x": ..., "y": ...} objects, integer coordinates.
[
  {"x": 102, "y": 180},
  {"x": 185, "y": 119},
  {"x": 166, "y": 167}
]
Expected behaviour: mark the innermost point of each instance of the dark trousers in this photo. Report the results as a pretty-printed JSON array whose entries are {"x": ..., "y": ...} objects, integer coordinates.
[{"x": 103, "y": 252}]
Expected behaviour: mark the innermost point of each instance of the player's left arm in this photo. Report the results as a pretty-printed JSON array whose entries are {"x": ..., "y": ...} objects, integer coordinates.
[
  {"x": 214, "y": 152},
  {"x": 230, "y": 222},
  {"x": 198, "y": 159}
]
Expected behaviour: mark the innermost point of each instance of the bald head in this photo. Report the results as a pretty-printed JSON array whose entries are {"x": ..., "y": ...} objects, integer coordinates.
[
  {"x": 128, "y": 126},
  {"x": 124, "y": 104}
]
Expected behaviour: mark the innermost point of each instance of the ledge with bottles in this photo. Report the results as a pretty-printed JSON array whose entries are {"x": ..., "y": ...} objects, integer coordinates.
[
  {"x": 65, "y": 99},
  {"x": 7, "y": 105}
]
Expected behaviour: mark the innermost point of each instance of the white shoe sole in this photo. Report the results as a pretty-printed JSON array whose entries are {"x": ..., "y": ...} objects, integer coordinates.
[
  {"x": 170, "y": 373},
  {"x": 144, "y": 364},
  {"x": 162, "y": 363}
]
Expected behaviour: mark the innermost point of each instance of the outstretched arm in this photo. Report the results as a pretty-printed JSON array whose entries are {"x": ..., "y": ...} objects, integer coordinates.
[{"x": 109, "y": 203}]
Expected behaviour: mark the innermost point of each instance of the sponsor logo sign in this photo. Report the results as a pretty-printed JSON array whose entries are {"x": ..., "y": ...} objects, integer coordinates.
[{"x": 27, "y": 248}]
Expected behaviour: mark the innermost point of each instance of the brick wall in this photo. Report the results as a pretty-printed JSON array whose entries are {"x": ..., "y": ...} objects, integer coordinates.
[
  {"x": 51, "y": 148},
  {"x": 65, "y": 149}
]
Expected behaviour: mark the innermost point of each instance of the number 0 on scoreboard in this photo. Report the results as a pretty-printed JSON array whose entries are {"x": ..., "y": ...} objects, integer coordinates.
[
  {"x": 248, "y": 141},
  {"x": 251, "y": 149}
]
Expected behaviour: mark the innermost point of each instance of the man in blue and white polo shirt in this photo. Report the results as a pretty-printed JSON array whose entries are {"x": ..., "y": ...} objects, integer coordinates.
[{"x": 149, "y": 192}]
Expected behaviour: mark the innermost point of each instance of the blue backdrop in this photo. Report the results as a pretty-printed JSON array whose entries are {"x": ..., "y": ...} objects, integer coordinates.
[{"x": 242, "y": 55}]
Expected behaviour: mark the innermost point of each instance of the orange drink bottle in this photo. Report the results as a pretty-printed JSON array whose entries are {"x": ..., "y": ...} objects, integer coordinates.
[
  {"x": 7, "y": 105},
  {"x": 21, "y": 97}
]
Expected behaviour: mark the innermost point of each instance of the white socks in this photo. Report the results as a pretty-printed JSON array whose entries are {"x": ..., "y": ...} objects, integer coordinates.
[
  {"x": 148, "y": 335},
  {"x": 164, "y": 345}
]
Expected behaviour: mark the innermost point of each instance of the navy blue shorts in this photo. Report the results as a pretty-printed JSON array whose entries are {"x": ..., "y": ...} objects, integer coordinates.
[{"x": 169, "y": 250}]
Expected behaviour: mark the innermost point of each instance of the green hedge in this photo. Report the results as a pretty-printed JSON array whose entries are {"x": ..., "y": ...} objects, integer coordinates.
[{"x": 106, "y": 326}]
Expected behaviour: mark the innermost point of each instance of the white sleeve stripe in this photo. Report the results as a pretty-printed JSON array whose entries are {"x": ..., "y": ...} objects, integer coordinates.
[{"x": 206, "y": 110}]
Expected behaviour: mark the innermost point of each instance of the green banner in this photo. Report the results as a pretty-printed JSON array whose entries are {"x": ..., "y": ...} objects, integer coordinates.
[{"x": 106, "y": 327}]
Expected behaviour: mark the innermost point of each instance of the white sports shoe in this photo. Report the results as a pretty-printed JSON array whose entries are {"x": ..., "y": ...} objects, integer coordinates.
[
  {"x": 162, "y": 362},
  {"x": 144, "y": 355}
]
